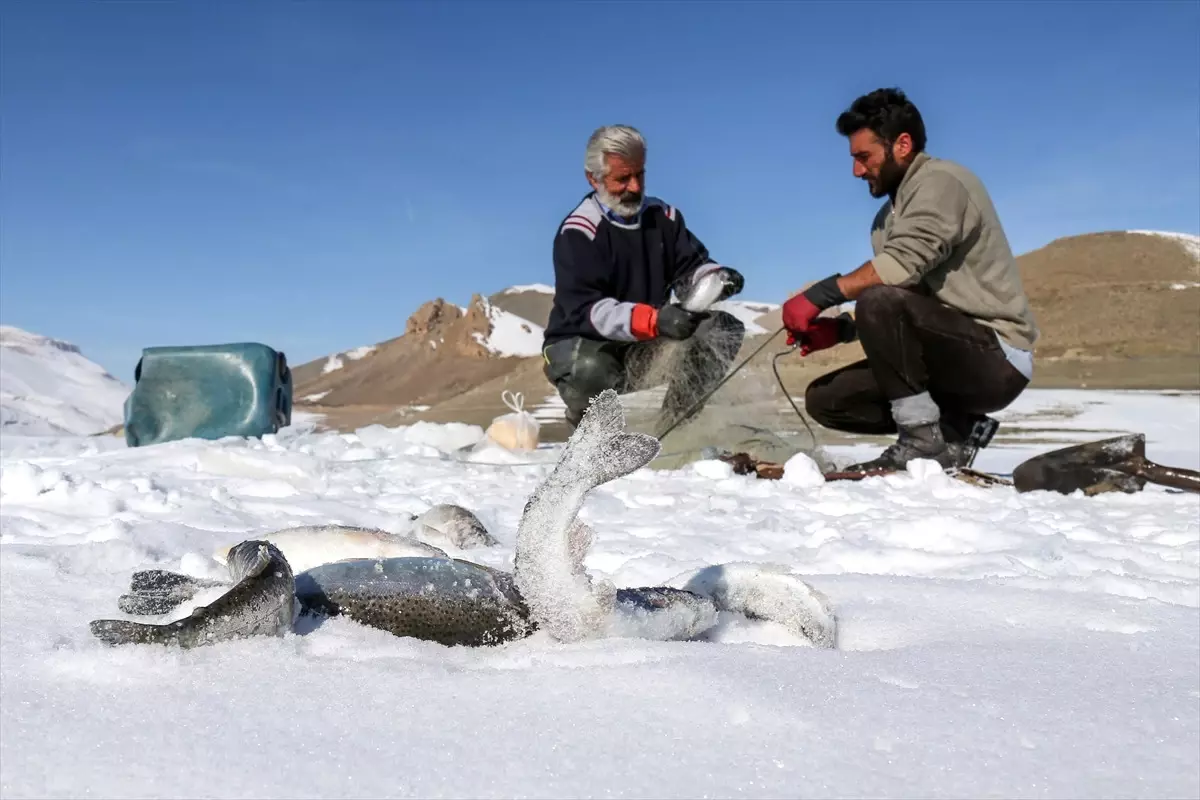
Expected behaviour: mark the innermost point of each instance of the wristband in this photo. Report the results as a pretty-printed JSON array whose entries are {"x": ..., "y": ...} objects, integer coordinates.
[{"x": 826, "y": 294}]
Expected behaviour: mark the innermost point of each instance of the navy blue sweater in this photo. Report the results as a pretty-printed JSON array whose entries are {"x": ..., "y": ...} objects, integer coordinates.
[{"x": 604, "y": 267}]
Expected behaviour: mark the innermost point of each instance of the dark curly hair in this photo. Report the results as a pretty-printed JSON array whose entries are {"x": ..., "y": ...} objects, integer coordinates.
[{"x": 886, "y": 112}]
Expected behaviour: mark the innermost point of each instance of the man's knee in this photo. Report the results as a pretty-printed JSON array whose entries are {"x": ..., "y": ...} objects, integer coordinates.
[
  {"x": 879, "y": 302},
  {"x": 819, "y": 401},
  {"x": 579, "y": 371},
  {"x": 594, "y": 372}
]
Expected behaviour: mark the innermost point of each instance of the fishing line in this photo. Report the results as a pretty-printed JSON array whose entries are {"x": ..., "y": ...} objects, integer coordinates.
[
  {"x": 707, "y": 395},
  {"x": 778, "y": 379}
]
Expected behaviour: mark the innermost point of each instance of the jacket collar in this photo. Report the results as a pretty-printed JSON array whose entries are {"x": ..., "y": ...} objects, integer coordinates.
[{"x": 919, "y": 160}]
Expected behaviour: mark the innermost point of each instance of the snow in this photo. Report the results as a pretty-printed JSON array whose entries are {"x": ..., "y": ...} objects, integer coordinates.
[
  {"x": 1190, "y": 242},
  {"x": 539, "y": 288},
  {"x": 510, "y": 335},
  {"x": 990, "y": 643},
  {"x": 335, "y": 362},
  {"x": 48, "y": 387},
  {"x": 747, "y": 312}
]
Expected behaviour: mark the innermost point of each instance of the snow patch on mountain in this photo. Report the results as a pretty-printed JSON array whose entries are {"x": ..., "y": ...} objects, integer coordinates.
[{"x": 510, "y": 335}]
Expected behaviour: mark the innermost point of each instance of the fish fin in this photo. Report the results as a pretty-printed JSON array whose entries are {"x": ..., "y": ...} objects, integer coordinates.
[
  {"x": 150, "y": 604},
  {"x": 600, "y": 450},
  {"x": 153, "y": 592},
  {"x": 161, "y": 580},
  {"x": 120, "y": 631},
  {"x": 579, "y": 541}
]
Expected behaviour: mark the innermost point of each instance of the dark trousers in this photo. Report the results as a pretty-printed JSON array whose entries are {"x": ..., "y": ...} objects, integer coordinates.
[
  {"x": 582, "y": 368},
  {"x": 914, "y": 344}
]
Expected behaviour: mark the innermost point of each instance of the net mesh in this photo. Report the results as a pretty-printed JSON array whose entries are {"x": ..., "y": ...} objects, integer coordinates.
[{"x": 748, "y": 413}]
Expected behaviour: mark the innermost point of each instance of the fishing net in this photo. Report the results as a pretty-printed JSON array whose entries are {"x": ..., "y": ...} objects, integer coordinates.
[{"x": 748, "y": 413}]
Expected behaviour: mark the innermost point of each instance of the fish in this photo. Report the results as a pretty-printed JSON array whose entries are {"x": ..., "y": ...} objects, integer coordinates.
[
  {"x": 563, "y": 599},
  {"x": 261, "y": 602},
  {"x": 699, "y": 295},
  {"x": 154, "y": 592},
  {"x": 456, "y": 602},
  {"x": 310, "y": 545},
  {"x": 765, "y": 591},
  {"x": 454, "y": 525},
  {"x": 444, "y": 600}
]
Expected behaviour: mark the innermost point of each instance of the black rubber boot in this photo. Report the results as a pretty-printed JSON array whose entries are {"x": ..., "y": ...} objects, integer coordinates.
[
  {"x": 921, "y": 441},
  {"x": 979, "y": 430}
]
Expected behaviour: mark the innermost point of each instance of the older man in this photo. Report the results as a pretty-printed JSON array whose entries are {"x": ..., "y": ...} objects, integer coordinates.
[
  {"x": 618, "y": 255},
  {"x": 943, "y": 319}
]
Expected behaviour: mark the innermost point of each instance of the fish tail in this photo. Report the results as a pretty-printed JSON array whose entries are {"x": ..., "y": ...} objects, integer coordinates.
[{"x": 601, "y": 450}]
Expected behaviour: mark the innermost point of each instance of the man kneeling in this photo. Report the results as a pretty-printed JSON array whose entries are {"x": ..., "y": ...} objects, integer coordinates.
[
  {"x": 943, "y": 319},
  {"x": 617, "y": 257}
]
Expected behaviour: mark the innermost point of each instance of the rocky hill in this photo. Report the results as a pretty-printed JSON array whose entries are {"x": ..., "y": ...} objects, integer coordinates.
[
  {"x": 445, "y": 351},
  {"x": 1117, "y": 309}
]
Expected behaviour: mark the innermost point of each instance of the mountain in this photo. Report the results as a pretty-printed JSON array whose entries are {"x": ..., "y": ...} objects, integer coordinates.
[
  {"x": 48, "y": 387},
  {"x": 1117, "y": 309},
  {"x": 444, "y": 351},
  {"x": 1124, "y": 294}
]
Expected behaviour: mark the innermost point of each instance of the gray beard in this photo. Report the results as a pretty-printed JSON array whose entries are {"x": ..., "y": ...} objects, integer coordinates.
[{"x": 624, "y": 209}]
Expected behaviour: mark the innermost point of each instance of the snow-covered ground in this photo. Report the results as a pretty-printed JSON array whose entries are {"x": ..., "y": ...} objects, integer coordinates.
[
  {"x": 991, "y": 644},
  {"x": 47, "y": 386}
]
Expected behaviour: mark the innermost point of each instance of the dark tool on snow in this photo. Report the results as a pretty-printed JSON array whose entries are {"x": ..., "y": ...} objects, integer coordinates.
[{"x": 1117, "y": 464}]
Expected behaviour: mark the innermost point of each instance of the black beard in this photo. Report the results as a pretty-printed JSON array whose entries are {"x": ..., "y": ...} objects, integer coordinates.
[{"x": 890, "y": 176}]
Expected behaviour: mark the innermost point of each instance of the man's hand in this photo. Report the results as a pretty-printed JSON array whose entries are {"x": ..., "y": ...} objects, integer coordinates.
[
  {"x": 799, "y": 313},
  {"x": 824, "y": 333},
  {"x": 676, "y": 323},
  {"x": 801, "y": 310}
]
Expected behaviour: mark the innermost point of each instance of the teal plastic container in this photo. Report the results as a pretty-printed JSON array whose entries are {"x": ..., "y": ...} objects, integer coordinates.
[{"x": 208, "y": 392}]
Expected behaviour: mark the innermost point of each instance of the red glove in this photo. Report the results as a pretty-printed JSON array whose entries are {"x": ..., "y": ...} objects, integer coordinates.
[
  {"x": 821, "y": 334},
  {"x": 799, "y": 313}
]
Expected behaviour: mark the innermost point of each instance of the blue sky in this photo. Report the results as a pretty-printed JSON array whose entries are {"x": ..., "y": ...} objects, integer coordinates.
[{"x": 306, "y": 174}]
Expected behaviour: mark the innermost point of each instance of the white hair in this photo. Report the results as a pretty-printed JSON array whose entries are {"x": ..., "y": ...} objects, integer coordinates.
[{"x": 619, "y": 140}]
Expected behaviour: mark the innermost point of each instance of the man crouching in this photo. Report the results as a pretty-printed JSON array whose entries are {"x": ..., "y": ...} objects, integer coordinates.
[
  {"x": 943, "y": 319},
  {"x": 617, "y": 258}
]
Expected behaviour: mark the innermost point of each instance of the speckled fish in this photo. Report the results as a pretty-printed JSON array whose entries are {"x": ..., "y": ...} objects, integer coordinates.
[
  {"x": 261, "y": 602},
  {"x": 457, "y": 602},
  {"x": 443, "y": 600}
]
